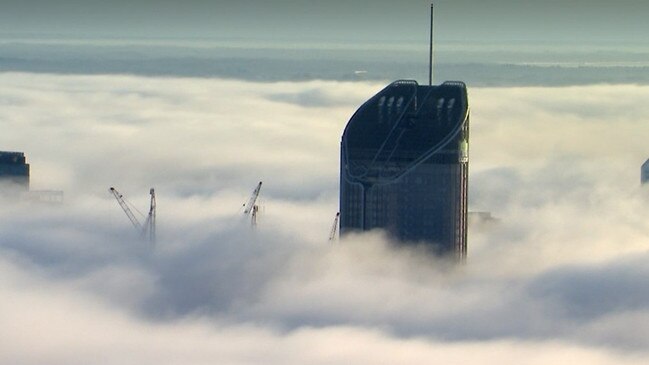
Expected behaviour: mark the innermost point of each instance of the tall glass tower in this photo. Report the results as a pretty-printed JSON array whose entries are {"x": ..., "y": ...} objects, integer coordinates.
[
  {"x": 404, "y": 166},
  {"x": 14, "y": 171}
]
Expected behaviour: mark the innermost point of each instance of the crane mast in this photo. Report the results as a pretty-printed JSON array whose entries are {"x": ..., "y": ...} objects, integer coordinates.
[
  {"x": 149, "y": 225},
  {"x": 253, "y": 216},
  {"x": 334, "y": 227},
  {"x": 251, "y": 208}
]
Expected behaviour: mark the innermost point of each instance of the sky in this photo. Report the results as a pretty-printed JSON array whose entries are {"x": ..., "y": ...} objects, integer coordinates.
[
  {"x": 331, "y": 21},
  {"x": 559, "y": 277}
]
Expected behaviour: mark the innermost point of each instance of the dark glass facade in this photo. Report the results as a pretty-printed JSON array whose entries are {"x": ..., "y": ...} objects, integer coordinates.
[
  {"x": 644, "y": 173},
  {"x": 404, "y": 166},
  {"x": 14, "y": 171}
]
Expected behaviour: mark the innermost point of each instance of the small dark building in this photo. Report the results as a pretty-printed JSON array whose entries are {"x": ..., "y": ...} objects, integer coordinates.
[
  {"x": 14, "y": 173},
  {"x": 404, "y": 166}
]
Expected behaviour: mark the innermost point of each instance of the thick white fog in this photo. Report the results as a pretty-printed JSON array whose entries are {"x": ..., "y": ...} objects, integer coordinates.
[{"x": 561, "y": 277}]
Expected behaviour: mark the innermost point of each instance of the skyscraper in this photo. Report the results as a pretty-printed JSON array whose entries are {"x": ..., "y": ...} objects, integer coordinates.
[
  {"x": 404, "y": 166},
  {"x": 644, "y": 173},
  {"x": 14, "y": 173}
]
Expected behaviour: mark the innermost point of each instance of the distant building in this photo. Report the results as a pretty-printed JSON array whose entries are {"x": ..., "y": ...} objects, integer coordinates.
[
  {"x": 404, "y": 166},
  {"x": 14, "y": 173},
  {"x": 644, "y": 173}
]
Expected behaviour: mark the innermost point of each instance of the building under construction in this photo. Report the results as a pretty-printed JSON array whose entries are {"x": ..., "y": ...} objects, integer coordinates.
[{"x": 14, "y": 173}]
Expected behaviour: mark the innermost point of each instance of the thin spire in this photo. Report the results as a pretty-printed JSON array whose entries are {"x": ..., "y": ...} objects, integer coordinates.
[{"x": 430, "y": 49}]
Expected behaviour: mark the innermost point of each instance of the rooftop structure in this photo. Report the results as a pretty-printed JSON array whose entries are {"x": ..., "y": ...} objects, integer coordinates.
[{"x": 404, "y": 166}]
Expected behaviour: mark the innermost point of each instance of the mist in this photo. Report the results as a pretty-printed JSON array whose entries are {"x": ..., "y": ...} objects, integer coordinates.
[
  {"x": 487, "y": 64},
  {"x": 560, "y": 277}
]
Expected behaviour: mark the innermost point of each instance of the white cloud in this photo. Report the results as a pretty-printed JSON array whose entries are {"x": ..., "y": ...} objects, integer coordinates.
[
  {"x": 54, "y": 324},
  {"x": 559, "y": 279}
]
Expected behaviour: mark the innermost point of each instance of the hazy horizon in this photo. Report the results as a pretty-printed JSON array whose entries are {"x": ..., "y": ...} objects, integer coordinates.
[
  {"x": 483, "y": 65},
  {"x": 489, "y": 43}
]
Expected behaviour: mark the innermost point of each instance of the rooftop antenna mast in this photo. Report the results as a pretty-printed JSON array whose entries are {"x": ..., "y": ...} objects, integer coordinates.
[{"x": 430, "y": 49}]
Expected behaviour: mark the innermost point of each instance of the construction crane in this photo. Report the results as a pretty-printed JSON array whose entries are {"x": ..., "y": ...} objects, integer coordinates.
[
  {"x": 250, "y": 207},
  {"x": 125, "y": 208},
  {"x": 146, "y": 231},
  {"x": 334, "y": 228}
]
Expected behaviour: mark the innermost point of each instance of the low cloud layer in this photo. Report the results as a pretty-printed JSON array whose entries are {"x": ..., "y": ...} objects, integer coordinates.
[{"x": 561, "y": 276}]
